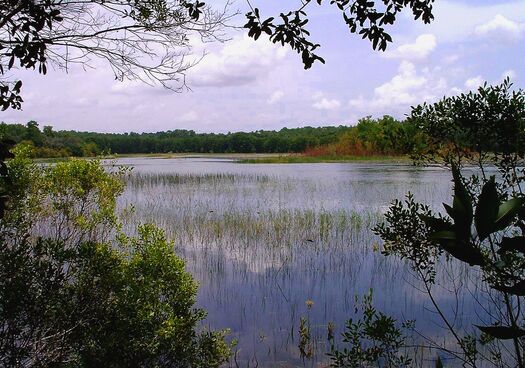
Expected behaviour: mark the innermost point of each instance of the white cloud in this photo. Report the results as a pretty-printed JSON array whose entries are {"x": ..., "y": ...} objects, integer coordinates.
[
  {"x": 455, "y": 91},
  {"x": 397, "y": 91},
  {"x": 127, "y": 87},
  {"x": 420, "y": 49},
  {"x": 457, "y": 20},
  {"x": 500, "y": 27},
  {"x": 84, "y": 102},
  {"x": 508, "y": 73},
  {"x": 275, "y": 97},
  {"x": 327, "y": 104},
  {"x": 317, "y": 95},
  {"x": 240, "y": 61},
  {"x": 189, "y": 117},
  {"x": 264, "y": 69},
  {"x": 451, "y": 59},
  {"x": 406, "y": 88},
  {"x": 360, "y": 102},
  {"x": 474, "y": 82}
]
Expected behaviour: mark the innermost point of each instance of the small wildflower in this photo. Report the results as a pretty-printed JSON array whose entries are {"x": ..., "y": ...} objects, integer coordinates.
[{"x": 309, "y": 303}]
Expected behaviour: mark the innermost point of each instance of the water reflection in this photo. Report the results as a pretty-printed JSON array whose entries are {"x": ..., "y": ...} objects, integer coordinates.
[{"x": 262, "y": 239}]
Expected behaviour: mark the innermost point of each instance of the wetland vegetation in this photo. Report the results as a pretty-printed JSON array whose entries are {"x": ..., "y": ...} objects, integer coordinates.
[
  {"x": 280, "y": 254},
  {"x": 203, "y": 262},
  {"x": 265, "y": 240}
]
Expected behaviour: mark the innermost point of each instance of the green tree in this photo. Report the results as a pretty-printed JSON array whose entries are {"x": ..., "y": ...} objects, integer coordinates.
[
  {"x": 5, "y": 181},
  {"x": 34, "y": 134},
  {"x": 75, "y": 291},
  {"x": 484, "y": 227},
  {"x": 90, "y": 149},
  {"x": 48, "y": 131}
]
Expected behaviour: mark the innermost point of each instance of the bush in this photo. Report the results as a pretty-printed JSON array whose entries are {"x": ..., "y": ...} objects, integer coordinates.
[
  {"x": 89, "y": 296},
  {"x": 482, "y": 230},
  {"x": 373, "y": 340}
]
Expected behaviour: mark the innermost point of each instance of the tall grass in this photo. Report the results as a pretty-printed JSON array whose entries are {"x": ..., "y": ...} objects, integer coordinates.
[{"x": 263, "y": 244}]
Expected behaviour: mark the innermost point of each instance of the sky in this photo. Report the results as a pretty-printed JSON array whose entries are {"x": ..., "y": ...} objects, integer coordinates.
[{"x": 243, "y": 85}]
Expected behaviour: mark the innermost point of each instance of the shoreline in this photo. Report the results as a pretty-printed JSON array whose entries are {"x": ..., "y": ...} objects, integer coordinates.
[{"x": 245, "y": 158}]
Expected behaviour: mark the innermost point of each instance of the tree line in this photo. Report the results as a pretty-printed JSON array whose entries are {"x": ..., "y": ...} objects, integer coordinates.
[
  {"x": 50, "y": 143},
  {"x": 384, "y": 135},
  {"x": 373, "y": 137}
]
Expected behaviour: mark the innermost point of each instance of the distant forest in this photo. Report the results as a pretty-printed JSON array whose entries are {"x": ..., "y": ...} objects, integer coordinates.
[{"x": 368, "y": 137}]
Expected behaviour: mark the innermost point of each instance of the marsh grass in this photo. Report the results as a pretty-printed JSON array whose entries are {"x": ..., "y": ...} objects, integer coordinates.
[
  {"x": 143, "y": 180},
  {"x": 261, "y": 235},
  {"x": 262, "y": 244},
  {"x": 213, "y": 208}
]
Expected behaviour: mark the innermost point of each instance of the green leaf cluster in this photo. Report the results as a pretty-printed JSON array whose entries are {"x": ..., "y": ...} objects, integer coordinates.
[
  {"x": 372, "y": 339},
  {"x": 484, "y": 227},
  {"x": 77, "y": 292},
  {"x": 362, "y": 17}
]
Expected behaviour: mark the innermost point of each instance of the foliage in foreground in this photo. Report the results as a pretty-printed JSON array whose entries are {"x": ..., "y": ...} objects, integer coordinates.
[
  {"x": 482, "y": 229},
  {"x": 74, "y": 291},
  {"x": 148, "y": 40},
  {"x": 371, "y": 340}
]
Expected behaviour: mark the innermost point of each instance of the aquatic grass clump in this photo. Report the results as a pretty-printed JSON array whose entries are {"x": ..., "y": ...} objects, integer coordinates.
[
  {"x": 226, "y": 217},
  {"x": 163, "y": 179},
  {"x": 261, "y": 243},
  {"x": 271, "y": 228}
]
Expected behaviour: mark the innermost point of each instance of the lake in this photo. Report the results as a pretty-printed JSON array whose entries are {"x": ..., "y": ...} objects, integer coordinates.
[{"x": 263, "y": 239}]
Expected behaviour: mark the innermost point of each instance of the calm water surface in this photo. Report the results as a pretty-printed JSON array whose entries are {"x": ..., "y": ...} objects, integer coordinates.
[{"x": 262, "y": 239}]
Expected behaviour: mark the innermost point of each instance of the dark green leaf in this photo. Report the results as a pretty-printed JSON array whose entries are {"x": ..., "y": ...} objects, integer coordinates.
[
  {"x": 507, "y": 211},
  {"x": 466, "y": 252},
  {"x": 502, "y": 332},
  {"x": 517, "y": 289},
  {"x": 515, "y": 243},
  {"x": 461, "y": 193},
  {"x": 436, "y": 223},
  {"x": 450, "y": 211},
  {"x": 487, "y": 209},
  {"x": 443, "y": 235}
]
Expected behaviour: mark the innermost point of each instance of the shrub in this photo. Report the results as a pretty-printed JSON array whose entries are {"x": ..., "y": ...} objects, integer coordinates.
[{"x": 75, "y": 291}]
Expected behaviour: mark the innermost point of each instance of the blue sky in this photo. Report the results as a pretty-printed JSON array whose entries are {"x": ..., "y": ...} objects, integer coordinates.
[{"x": 242, "y": 85}]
